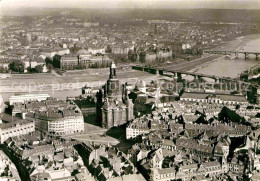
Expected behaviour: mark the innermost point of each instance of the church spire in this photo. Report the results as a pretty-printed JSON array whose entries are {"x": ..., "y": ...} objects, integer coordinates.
[{"x": 112, "y": 70}]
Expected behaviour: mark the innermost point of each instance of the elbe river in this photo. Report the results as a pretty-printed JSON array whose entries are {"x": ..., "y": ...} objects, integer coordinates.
[{"x": 229, "y": 66}]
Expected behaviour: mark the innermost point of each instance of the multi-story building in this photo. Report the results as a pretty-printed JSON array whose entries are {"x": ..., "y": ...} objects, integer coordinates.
[
  {"x": 52, "y": 115},
  {"x": 95, "y": 50},
  {"x": 114, "y": 106},
  {"x": 16, "y": 128},
  {"x": 136, "y": 128},
  {"x": 27, "y": 97},
  {"x": 52, "y": 52},
  {"x": 150, "y": 57},
  {"x": 68, "y": 62},
  {"x": 64, "y": 120},
  {"x": 214, "y": 98},
  {"x": 89, "y": 24},
  {"x": 164, "y": 54},
  {"x": 67, "y": 124},
  {"x": 121, "y": 49},
  {"x": 87, "y": 60},
  {"x": 186, "y": 172}
]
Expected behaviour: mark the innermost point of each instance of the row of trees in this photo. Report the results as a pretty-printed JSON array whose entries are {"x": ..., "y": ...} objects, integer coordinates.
[
  {"x": 19, "y": 67},
  {"x": 36, "y": 69},
  {"x": 4, "y": 70}
]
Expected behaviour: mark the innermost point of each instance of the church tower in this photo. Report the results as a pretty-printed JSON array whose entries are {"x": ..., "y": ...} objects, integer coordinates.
[
  {"x": 112, "y": 87},
  {"x": 112, "y": 71},
  {"x": 116, "y": 108}
]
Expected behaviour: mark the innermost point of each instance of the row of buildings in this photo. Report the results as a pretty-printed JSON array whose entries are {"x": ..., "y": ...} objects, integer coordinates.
[
  {"x": 146, "y": 40},
  {"x": 8, "y": 170},
  {"x": 30, "y": 112},
  {"x": 45, "y": 158},
  {"x": 84, "y": 59},
  {"x": 51, "y": 115}
]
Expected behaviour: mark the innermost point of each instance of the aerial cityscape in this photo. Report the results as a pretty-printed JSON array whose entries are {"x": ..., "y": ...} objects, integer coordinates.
[{"x": 129, "y": 90}]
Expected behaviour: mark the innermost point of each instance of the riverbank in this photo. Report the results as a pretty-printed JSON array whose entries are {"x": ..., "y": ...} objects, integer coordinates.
[{"x": 240, "y": 42}]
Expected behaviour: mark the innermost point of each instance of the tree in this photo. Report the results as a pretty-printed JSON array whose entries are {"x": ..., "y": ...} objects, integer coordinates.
[
  {"x": 200, "y": 52},
  {"x": 132, "y": 56},
  {"x": 17, "y": 66},
  {"x": 142, "y": 56},
  {"x": 108, "y": 49},
  {"x": 194, "y": 51},
  {"x": 49, "y": 67},
  {"x": 56, "y": 61},
  {"x": 123, "y": 59},
  {"x": 38, "y": 68},
  {"x": 48, "y": 60},
  {"x": 3, "y": 70}
]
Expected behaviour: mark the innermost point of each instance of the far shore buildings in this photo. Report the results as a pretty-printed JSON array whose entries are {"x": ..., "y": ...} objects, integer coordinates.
[
  {"x": 51, "y": 52},
  {"x": 159, "y": 55},
  {"x": 85, "y": 59},
  {"x": 114, "y": 106},
  {"x": 68, "y": 62}
]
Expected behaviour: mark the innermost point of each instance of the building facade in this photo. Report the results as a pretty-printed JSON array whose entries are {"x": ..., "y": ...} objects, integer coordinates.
[
  {"x": 52, "y": 115},
  {"x": 225, "y": 99},
  {"x": 66, "y": 125},
  {"x": 16, "y": 128},
  {"x": 68, "y": 62},
  {"x": 27, "y": 97},
  {"x": 136, "y": 128}
]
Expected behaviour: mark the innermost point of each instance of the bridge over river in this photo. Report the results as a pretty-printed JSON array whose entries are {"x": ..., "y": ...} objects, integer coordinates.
[
  {"x": 178, "y": 74},
  {"x": 227, "y": 52}
]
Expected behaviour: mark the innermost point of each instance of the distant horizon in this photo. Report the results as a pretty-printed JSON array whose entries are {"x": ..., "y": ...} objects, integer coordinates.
[
  {"x": 132, "y": 4},
  {"x": 129, "y": 8},
  {"x": 154, "y": 13},
  {"x": 39, "y": 11}
]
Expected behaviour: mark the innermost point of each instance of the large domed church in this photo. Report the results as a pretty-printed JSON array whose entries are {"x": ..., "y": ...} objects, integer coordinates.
[{"x": 114, "y": 107}]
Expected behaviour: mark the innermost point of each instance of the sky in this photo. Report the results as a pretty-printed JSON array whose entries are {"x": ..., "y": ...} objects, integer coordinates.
[{"x": 212, "y": 4}]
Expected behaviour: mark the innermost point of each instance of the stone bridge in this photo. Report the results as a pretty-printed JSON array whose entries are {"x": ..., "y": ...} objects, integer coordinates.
[
  {"x": 179, "y": 74},
  {"x": 226, "y": 52}
]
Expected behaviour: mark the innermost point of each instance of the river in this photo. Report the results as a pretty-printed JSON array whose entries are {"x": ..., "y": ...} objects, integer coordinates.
[{"x": 233, "y": 67}]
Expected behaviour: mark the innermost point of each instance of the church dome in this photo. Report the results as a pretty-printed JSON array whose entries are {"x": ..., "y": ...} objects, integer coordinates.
[
  {"x": 140, "y": 84},
  {"x": 82, "y": 52}
]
